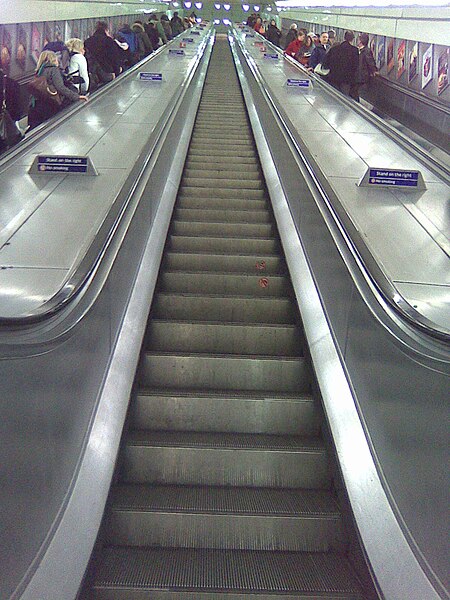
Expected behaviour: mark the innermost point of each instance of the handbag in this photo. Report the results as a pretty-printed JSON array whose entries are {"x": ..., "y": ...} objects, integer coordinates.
[
  {"x": 41, "y": 89},
  {"x": 321, "y": 70},
  {"x": 10, "y": 134}
]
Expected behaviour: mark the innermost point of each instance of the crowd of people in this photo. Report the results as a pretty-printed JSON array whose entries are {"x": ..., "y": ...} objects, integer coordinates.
[
  {"x": 347, "y": 66},
  {"x": 68, "y": 72}
]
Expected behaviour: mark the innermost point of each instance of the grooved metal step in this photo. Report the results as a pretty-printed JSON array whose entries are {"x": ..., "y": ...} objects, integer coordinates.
[
  {"x": 263, "y": 247},
  {"x": 221, "y": 203},
  {"x": 213, "y": 192},
  {"x": 212, "y": 215},
  {"x": 190, "y": 573},
  {"x": 230, "y": 263},
  {"x": 235, "y": 308},
  {"x": 233, "y": 230},
  {"x": 224, "y": 372},
  {"x": 221, "y": 411},
  {"x": 220, "y": 517},
  {"x": 224, "y": 338},
  {"x": 224, "y": 459},
  {"x": 259, "y": 285}
]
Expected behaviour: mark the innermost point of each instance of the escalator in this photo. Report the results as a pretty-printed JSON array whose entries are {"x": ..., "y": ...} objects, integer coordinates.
[{"x": 224, "y": 486}]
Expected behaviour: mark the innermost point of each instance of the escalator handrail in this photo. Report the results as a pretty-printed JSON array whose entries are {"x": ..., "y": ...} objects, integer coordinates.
[
  {"x": 371, "y": 269},
  {"x": 81, "y": 272}
]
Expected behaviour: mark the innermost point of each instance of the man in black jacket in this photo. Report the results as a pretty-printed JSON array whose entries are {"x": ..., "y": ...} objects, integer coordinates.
[
  {"x": 343, "y": 61},
  {"x": 104, "y": 54}
]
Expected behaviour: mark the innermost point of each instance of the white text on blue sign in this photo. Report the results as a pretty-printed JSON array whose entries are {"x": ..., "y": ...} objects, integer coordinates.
[
  {"x": 143, "y": 76},
  {"x": 63, "y": 164},
  {"x": 393, "y": 177},
  {"x": 301, "y": 83},
  {"x": 176, "y": 52},
  {"x": 271, "y": 56},
  {"x": 189, "y": 40}
]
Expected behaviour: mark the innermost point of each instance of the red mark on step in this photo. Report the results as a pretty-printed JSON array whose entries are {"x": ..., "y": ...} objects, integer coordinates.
[
  {"x": 261, "y": 266},
  {"x": 263, "y": 282}
]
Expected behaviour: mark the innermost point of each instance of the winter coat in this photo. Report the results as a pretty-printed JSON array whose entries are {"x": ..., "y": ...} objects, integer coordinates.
[
  {"x": 103, "y": 50},
  {"x": 366, "y": 66},
  {"x": 167, "y": 29},
  {"x": 273, "y": 35},
  {"x": 318, "y": 54},
  {"x": 177, "y": 26},
  {"x": 343, "y": 61},
  {"x": 145, "y": 46},
  {"x": 290, "y": 37},
  {"x": 294, "y": 47},
  {"x": 42, "y": 110}
]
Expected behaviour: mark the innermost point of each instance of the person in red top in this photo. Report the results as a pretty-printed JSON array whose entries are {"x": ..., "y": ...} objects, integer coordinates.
[{"x": 295, "y": 46}]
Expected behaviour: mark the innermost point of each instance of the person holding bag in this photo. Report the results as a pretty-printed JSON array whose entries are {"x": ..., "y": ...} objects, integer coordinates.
[{"x": 47, "y": 89}]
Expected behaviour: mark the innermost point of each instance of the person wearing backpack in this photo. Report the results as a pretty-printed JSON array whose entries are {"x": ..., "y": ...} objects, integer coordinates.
[
  {"x": 42, "y": 106},
  {"x": 77, "y": 71}
]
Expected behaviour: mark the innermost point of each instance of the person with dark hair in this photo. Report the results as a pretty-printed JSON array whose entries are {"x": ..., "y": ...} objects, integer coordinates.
[
  {"x": 104, "y": 56},
  {"x": 159, "y": 28},
  {"x": 291, "y": 35},
  {"x": 318, "y": 54},
  {"x": 153, "y": 34},
  {"x": 295, "y": 46},
  {"x": 343, "y": 61},
  {"x": 166, "y": 26},
  {"x": 332, "y": 39},
  {"x": 177, "y": 24},
  {"x": 273, "y": 34},
  {"x": 367, "y": 67}
]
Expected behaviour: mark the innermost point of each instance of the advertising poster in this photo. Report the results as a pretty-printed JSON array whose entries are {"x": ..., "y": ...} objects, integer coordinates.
[
  {"x": 401, "y": 52},
  {"x": 427, "y": 66},
  {"x": 6, "y": 50},
  {"x": 48, "y": 33},
  {"x": 21, "y": 46},
  {"x": 373, "y": 45},
  {"x": 443, "y": 71},
  {"x": 390, "y": 56},
  {"x": 413, "y": 62},
  {"x": 67, "y": 31},
  {"x": 75, "y": 29},
  {"x": 381, "y": 52},
  {"x": 59, "y": 34}
]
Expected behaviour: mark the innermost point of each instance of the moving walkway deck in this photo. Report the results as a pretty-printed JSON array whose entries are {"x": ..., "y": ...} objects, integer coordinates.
[{"x": 224, "y": 486}]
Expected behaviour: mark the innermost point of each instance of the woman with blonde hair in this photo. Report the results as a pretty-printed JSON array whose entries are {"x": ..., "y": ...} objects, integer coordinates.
[
  {"x": 77, "y": 71},
  {"x": 42, "y": 107}
]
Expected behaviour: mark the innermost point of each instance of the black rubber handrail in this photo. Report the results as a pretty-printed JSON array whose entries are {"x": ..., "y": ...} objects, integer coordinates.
[{"x": 370, "y": 267}]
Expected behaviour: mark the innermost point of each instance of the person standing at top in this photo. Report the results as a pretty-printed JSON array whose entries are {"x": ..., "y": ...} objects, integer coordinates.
[
  {"x": 332, "y": 39},
  {"x": 177, "y": 24},
  {"x": 367, "y": 67},
  {"x": 291, "y": 35},
  {"x": 273, "y": 33},
  {"x": 318, "y": 54},
  {"x": 343, "y": 62}
]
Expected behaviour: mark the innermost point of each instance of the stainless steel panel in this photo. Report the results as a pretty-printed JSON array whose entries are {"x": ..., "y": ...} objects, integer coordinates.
[
  {"x": 78, "y": 206},
  {"x": 22, "y": 290},
  {"x": 401, "y": 245},
  {"x": 121, "y": 140},
  {"x": 20, "y": 195},
  {"x": 433, "y": 301}
]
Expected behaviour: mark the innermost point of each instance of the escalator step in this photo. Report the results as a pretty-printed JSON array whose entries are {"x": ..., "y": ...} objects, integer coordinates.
[{"x": 182, "y": 573}]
